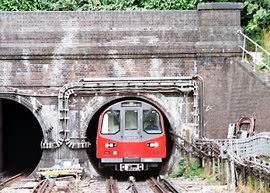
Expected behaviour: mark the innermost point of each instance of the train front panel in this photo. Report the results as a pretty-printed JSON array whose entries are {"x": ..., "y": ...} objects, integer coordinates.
[{"x": 131, "y": 136}]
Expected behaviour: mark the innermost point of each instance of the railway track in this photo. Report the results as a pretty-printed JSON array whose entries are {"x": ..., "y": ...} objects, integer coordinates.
[
  {"x": 43, "y": 186},
  {"x": 163, "y": 186},
  {"x": 156, "y": 186},
  {"x": 133, "y": 185},
  {"x": 152, "y": 185},
  {"x": 18, "y": 184},
  {"x": 101, "y": 185},
  {"x": 112, "y": 185},
  {"x": 10, "y": 181},
  {"x": 169, "y": 185}
]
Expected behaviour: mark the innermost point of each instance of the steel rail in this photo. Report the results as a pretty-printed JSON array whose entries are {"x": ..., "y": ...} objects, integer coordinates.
[
  {"x": 10, "y": 180},
  {"x": 133, "y": 185},
  {"x": 170, "y": 186},
  {"x": 41, "y": 187},
  {"x": 112, "y": 185},
  {"x": 157, "y": 186}
]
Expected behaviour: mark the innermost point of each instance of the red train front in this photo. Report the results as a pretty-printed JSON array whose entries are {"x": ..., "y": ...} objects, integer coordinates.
[{"x": 131, "y": 136}]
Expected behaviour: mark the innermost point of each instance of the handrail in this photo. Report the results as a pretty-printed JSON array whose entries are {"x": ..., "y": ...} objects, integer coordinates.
[{"x": 257, "y": 46}]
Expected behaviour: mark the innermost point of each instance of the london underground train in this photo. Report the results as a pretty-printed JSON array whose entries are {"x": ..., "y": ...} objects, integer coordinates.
[{"x": 131, "y": 137}]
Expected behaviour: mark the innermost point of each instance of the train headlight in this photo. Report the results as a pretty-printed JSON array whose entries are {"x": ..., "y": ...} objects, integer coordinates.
[
  {"x": 152, "y": 144},
  {"x": 110, "y": 145}
]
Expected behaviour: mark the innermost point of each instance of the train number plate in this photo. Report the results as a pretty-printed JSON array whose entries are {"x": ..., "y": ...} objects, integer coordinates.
[{"x": 132, "y": 167}]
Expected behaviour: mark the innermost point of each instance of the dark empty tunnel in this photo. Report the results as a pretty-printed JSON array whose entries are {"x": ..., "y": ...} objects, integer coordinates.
[{"x": 20, "y": 137}]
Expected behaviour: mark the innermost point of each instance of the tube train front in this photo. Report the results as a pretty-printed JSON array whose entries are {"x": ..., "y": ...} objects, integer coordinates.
[{"x": 131, "y": 137}]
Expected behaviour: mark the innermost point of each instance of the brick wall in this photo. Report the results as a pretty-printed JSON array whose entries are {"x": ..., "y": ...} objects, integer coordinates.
[
  {"x": 42, "y": 51},
  {"x": 55, "y": 48},
  {"x": 233, "y": 90}
]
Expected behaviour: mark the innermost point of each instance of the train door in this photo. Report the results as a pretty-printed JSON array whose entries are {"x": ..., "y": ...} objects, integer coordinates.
[{"x": 131, "y": 132}]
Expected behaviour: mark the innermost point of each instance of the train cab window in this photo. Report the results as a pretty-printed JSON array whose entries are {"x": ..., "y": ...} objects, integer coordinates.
[
  {"x": 111, "y": 122},
  {"x": 131, "y": 120},
  {"x": 151, "y": 122}
]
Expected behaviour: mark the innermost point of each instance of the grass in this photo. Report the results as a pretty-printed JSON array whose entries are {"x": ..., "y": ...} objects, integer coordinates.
[
  {"x": 253, "y": 185},
  {"x": 193, "y": 170}
]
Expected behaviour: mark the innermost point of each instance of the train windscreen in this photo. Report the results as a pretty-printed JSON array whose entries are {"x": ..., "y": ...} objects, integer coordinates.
[
  {"x": 111, "y": 122},
  {"x": 131, "y": 120},
  {"x": 151, "y": 122}
]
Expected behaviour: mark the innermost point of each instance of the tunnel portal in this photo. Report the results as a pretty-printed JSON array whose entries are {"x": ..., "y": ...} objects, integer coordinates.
[
  {"x": 92, "y": 133},
  {"x": 20, "y": 137},
  {"x": 181, "y": 60}
]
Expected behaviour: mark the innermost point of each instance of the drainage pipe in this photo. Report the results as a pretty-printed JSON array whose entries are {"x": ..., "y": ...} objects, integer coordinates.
[{"x": 201, "y": 105}]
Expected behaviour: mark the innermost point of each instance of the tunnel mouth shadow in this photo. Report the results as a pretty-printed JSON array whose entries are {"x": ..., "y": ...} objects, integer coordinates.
[
  {"x": 91, "y": 134},
  {"x": 20, "y": 137}
]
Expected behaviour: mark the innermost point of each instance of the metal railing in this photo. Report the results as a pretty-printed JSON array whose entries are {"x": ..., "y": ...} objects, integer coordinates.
[
  {"x": 263, "y": 60},
  {"x": 252, "y": 146}
]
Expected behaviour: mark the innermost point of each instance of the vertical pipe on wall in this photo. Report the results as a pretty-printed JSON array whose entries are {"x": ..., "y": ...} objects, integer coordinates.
[
  {"x": 200, "y": 85},
  {"x": 201, "y": 108},
  {"x": 1, "y": 140},
  {"x": 196, "y": 111}
]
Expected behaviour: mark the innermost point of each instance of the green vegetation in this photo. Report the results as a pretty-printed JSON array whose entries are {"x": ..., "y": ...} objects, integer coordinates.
[
  {"x": 255, "y": 15},
  {"x": 193, "y": 170},
  {"x": 253, "y": 185},
  {"x": 96, "y": 5},
  {"x": 256, "y": 19}
]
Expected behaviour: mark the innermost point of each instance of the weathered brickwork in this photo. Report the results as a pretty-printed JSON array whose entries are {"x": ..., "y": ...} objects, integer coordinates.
[
  {"x": 235, "y": 91},
  {"x": 42, "y": 53},
  {"x": 56, "y": 73}
]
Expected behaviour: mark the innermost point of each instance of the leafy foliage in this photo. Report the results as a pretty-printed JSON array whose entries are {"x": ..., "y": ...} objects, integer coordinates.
[
  {"x": 194, "y": 170},
  {"x": 23, "y": 5},
  {"x": 256, "y": 19},
  {"x": 84, "y": 5}
]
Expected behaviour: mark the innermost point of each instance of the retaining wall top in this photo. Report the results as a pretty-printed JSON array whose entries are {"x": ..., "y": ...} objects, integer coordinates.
[
  {"x": 220, "y": 6},
  {"x": 50, "y": 34}
]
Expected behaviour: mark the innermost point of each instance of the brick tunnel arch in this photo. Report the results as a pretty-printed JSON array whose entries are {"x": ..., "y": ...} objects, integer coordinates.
[
  {"x": 20, "y": 137},
  {"x": 91, "y": 131}
]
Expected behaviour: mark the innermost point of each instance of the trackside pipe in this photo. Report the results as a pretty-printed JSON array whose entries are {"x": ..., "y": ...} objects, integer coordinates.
[{"x": 114, "y": 86}]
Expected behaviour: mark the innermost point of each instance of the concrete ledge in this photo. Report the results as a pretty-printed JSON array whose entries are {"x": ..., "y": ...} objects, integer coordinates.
[{"x": 220, "y": 6}]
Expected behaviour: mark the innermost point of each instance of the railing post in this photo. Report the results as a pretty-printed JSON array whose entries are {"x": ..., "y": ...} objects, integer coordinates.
[
  {"x": 244, "y": 48},
  {"x": 232, "y": 177},
  {"x": 268, "y": 59},
  {"x": 266, "y": 63},
  {"x": 256, "y": 57}
]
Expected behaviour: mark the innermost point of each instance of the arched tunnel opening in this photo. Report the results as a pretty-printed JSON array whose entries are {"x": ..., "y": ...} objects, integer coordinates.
[
  {"x": 20, "y": 137},
  {"x": 92, "y": 133}
]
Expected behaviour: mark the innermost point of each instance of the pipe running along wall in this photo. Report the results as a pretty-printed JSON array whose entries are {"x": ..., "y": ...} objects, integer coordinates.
[{"x": 117, "y": 86}]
